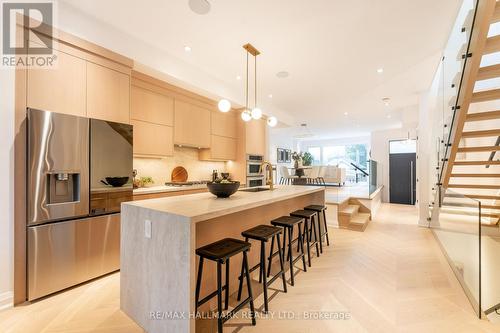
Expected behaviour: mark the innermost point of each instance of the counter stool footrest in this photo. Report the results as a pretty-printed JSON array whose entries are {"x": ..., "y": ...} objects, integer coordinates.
[
  {"x": 207, "y": 298},
  {"x": 231, "y": 313}
]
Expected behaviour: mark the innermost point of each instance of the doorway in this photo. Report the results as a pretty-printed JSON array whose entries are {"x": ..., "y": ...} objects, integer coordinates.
[{"x": 402, "y": 171}]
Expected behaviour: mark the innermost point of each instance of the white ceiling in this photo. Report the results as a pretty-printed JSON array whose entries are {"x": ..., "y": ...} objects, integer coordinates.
[{"x": 331, "y": 48}]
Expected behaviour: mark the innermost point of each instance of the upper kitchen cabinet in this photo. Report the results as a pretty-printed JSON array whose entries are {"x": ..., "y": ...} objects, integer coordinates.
[
  {"x": 256, "y": 134},
  {"x": 224, "y": 124},
  {"x": 108, "y": 94},
  {"x": 191, "y": 125},
  {"x": 60, "y": 89},
  {"x": 153, "y": 140},
  {"x": 152, "y": 114},
  {"x": 150, "y": 106},
  {"x": 221, "y": 149}
]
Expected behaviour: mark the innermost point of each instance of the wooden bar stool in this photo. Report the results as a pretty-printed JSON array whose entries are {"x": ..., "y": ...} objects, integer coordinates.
[
  {"x": 310, "y": 228},
  {"x": 288, "y": 223},
  {"x": 263, "y": 233},
  {"x": 221, "y": 251},
  {"x": 320, "y": 209}
]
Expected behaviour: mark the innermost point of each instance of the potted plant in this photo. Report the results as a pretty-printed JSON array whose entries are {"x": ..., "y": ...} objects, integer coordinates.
[
  {"x": 146, "y": 181},
  {"x": 307, "y": 159}
]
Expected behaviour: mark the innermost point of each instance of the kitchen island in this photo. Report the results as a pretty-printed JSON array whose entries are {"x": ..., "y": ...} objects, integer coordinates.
[{"x": 158, "y": 242}]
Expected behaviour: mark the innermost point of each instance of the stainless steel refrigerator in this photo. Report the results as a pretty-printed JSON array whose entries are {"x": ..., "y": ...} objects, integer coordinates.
[{"x": 73, "y": 225}]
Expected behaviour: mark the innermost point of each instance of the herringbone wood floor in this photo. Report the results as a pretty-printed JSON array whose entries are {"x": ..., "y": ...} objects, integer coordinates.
[{"x": 391, "y": 278}]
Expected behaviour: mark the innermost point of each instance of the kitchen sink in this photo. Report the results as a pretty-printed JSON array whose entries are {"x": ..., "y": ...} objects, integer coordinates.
[{"x": 255, "y": 189}]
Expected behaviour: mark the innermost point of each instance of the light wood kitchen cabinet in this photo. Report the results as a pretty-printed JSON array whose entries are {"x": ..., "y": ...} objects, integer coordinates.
[
  {"x": 256, "y": 137},
  {"x": 108, "y": 94},
  {"x": 138, "y": 196},
  {"x": 152, "y": 139},
  {"x": 221, "y": 148},
  {"x": 152, "y": 107},
  {"x": 224, "y": 124},
  {"x": 191, "y": 125},
  {"x": 60, "y": 89}
]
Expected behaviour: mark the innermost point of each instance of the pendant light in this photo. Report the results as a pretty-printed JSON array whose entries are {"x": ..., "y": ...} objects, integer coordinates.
[
  {"x": 272, "y": 121},
  {"x": 255, "y": 113},
  {"x": 224, "y": 105}
]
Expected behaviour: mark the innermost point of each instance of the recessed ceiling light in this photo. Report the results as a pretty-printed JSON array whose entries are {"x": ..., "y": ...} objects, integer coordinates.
[
  {"x": 282, "y": 74},
  {"x": 238, "y": 77},
  {"x": 380, "y": 70},
  {"x": 200, "y": 7},
  {"x": 386, "y": 101},
  {"x": 187, "y": 48},
  {"x": 388, "y": 116},
  {"x": 270, "y": 95},
  {"x": 346, "y": 113}
]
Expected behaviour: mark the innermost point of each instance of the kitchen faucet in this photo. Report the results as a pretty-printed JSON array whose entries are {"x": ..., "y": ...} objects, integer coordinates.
[{"x": 269, "y": 178}]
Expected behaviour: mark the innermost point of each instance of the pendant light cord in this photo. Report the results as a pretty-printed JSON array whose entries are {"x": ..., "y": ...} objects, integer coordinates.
[
  {"x": 246, "y": 106},
  {"x": 255, "y": 78}
]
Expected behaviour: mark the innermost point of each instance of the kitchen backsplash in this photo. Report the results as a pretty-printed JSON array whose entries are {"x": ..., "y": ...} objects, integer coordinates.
[{"x": 160, "y": 169}]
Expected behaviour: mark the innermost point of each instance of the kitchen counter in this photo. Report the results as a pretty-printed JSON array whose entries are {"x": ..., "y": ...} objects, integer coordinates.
[
  {"x": 164, "y": 188},
  {"x": 159, "y": 238},
  {"x": 208, "y": 206}
]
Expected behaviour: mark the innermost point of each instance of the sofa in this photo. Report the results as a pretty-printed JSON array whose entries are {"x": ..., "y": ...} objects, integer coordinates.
[{"x": 333, "y": 174}]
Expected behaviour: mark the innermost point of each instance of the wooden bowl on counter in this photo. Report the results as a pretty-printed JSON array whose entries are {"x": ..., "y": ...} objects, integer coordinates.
[{"x": 223, "y": 190}]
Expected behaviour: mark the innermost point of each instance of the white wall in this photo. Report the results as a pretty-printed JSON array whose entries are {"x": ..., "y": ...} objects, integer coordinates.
[
  {"x": 280, "y": 138},
  {"x": 7, "y": 189},
  {"x": 380, "y": 153}
]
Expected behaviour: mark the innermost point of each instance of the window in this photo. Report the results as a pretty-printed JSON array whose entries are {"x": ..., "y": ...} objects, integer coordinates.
[
  {"x": 344, "y": 155},
  {"x": 316, "y": 154},
  {"x": 333, "y": 155},
  {"x": 402, "y": 146}
]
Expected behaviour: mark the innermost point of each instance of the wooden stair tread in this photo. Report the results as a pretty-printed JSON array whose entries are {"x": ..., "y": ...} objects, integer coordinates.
[
  {"x": 360, "y": 218},
  {"x": 478, "y": 149},
  {"x": 488, "y": 72},
  {"x": 470, "y": 213},
  {"x": 488, "y": 115},
  {"x": 475, "y": 175},
  {"x": 468, "y": 205},
  {"x": 480, "y": 134},
  {"x": 496, "y": 14},
  {"x": 488, "y": 187},
  {"x": 476, "y": 163},
  {"x": 486, "y": 95},
  {"x": 350, "y": 210},
  {"x": 492, "y": 45},
  {"x": 473, "y": 196}
]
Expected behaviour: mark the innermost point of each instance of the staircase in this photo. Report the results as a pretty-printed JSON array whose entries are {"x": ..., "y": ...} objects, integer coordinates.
[
  {"x": 471, "y": 164},
  {"x": 353, "y": 215}
]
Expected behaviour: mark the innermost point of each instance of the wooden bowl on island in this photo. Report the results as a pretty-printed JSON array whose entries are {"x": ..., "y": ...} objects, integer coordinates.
[{"x": 223, "y": 189}]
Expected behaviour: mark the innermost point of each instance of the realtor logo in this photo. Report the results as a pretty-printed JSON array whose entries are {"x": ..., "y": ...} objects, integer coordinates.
[{"x": 35, "y": 46}]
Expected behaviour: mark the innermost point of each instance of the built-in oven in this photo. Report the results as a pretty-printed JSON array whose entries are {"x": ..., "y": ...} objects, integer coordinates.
[
  {"x": 255, "y": 181},
  {"x": 253, "y": 165}
]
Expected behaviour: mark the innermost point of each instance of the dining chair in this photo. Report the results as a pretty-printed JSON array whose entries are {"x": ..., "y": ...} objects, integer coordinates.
[
  {"x": 286, "y": 178},
  {"x": 313, "y": 175}
]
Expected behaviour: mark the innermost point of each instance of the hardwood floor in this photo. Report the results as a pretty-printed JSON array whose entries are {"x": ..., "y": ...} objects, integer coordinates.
[{"x": 391, "y": 278}]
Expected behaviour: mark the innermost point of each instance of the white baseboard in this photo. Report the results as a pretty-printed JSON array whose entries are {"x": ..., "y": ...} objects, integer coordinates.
[{"x": 6, "y": 300}]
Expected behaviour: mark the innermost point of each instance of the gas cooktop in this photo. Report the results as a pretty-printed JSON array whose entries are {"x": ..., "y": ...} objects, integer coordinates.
[{"x": 189, "y": 183}]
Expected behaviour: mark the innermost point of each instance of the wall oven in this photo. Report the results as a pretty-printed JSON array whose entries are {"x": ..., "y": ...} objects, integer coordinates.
[
  {"x": 255, "y": 181},
  {"x": 253, "y": 165}
]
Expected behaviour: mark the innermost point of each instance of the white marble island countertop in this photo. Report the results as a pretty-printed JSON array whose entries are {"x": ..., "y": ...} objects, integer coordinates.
[{"x": 203, "y": 206}]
